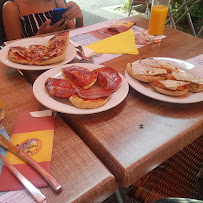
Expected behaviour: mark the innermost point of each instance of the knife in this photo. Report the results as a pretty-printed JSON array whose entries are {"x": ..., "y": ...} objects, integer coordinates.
[
  {"x": 43, "y": 172},
  {"x": 36, "y": 194}
]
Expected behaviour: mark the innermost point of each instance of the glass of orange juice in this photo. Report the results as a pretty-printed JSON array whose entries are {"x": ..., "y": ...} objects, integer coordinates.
[{"x": 157, "y": 20}]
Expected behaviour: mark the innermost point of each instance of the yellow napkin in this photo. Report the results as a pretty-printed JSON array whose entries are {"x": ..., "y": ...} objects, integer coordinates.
[{"x": 123, "y": 43}]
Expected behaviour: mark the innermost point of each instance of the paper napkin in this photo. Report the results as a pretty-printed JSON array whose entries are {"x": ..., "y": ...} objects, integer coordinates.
[
  {"x": 33, "y": 133},
  {"x": 88, "y": 52},
  {"x": 123, "y": 43},
  {"x": 120, "y": 26}
]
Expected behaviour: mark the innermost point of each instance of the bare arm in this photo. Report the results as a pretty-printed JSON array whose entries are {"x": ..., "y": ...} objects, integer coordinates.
[
  {"x": 11, "y": 21},
  {"x": 74, "y": 12}
]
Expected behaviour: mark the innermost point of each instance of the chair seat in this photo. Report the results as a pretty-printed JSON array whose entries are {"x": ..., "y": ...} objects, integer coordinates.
[{"x": 176, "y": 177}]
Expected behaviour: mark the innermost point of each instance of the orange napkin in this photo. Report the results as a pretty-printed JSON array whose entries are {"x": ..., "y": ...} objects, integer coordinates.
[{"x": 123, "y": 43}]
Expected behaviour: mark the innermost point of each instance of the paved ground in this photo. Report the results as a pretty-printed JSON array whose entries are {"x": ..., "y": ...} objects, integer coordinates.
[{"x": 95, "y": 11}]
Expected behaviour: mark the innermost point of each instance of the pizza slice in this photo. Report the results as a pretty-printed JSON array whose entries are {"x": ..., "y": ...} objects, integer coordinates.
[
  {"x": 20, "y": 55},
  {"x": 41, "y": 55}
]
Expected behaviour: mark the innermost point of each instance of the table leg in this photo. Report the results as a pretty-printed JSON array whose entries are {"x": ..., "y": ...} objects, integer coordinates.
[{"x": 118, "y": 197}]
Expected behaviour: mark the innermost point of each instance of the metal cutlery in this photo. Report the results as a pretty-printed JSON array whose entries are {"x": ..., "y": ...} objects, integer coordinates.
[
  {"x": 80, "y": 52},
  {"x": 51, "y": 180},
  {"x": 36, "y": 194}
]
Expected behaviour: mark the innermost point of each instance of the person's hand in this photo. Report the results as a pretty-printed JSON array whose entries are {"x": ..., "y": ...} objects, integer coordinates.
[
  {"x": 47, "y": 28},
  {"x": 74, "y": 12}
]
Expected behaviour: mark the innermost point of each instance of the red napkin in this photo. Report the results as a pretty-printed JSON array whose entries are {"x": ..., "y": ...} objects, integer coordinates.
[{"x": 120, "y": 26}]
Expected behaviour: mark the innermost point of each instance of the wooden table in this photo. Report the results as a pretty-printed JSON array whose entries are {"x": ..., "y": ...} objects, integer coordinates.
[
  {"x": 115, "y": 136},
  {"x": 82, "y": 175}
]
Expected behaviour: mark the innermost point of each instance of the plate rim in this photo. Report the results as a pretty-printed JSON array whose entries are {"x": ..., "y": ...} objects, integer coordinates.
[
  {"x": 4, "y": 54},
  {"x": 162, "y": 97},
  {"x": 79, "y": 111}
]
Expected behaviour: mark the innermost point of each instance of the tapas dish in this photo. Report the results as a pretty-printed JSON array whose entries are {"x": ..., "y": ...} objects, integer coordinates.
[
  {"x": 38, "y": 53},
  {"x": 81, "y": 88},
  {"x": 165, "y": 79}
]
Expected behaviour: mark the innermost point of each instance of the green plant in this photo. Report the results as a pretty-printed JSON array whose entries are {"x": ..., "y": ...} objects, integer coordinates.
[
  {"x": 196, "y": 12},
  {"x": 126, "y": 4}
]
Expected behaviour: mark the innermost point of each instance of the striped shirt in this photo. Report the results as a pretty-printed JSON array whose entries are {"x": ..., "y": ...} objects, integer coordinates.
[{"x": 30, "y": 23}]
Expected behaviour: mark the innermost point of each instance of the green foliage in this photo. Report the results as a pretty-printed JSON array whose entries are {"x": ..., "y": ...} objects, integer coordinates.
[
  {"x": 196, "y": 12},
  {"x": 126, "y": 4}
]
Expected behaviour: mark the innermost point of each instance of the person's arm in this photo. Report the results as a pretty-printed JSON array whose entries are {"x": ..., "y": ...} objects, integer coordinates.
[
  {"x": 74, "y": 12},
  {"x": 11, "y": 21}
]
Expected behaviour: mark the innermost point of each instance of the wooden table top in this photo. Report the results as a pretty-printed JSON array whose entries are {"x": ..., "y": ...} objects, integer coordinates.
[
  {"x": 115, "y": 136},
  {"x": 82, "y": 175}
]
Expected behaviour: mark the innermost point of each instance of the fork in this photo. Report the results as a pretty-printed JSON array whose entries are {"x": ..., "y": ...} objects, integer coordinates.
[
  {"x": 81, "y": 53},
  {"x": 36, "y": 194}
]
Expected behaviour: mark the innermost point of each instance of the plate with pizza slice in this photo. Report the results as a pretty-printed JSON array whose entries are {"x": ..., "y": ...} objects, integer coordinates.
[
  {"x": 40, "y": 53},
  {"x": 53, "y": 90}
]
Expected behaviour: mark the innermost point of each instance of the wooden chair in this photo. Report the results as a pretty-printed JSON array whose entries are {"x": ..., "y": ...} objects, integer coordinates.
[
  {"x": 176, "y": 177},
  {"x": 2, "y": 32},
  {"x": 138, "y": 3},
  {"x": 187, "y": 6}
]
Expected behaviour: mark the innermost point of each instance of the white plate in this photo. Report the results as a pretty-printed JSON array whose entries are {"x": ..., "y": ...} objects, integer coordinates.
[
  {"x": 147, "y": 90},
  {"x": 71, "y": 53},
  {"x": 44, "y": 98}
]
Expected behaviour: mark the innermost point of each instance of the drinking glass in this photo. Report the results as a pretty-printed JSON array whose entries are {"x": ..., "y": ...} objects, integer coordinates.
[
  {"x": 2, "y": 115},
  {"x": 157, "y": 20}
]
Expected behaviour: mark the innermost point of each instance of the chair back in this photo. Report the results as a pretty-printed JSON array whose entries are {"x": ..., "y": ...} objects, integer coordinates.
[{"x": 2, "y": 32}]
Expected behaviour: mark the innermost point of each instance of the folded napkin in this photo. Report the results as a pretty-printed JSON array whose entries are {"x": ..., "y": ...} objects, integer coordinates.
[
  {"x": 123, "y": 43},
  {"x": 119, "y": 26},
  {"x": 88, "y": 52},
  {"x": 33, "y": 133}
]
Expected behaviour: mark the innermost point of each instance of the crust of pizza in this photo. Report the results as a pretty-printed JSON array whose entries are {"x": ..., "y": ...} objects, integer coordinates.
[
  {"x": 64, "y": 39},
  {"x": 52, "y": 60},
  {"x": 16, "y": 58}
]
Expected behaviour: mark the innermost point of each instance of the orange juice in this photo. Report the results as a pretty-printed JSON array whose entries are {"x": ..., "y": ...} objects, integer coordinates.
[{"x": 157, "y": 19}]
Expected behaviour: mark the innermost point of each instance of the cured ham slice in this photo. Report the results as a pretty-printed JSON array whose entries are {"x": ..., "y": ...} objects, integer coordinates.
[
  {"x": 93, "y": 94},
  {"x": 108, "y": 78},
  {"x": 61, "y": 88},
  {"x": 81, "y": 76}
]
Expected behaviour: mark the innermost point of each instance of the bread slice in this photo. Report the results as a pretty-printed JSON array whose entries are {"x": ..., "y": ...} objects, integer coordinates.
[
  {"x": 171, "y": 87},
  {"x": 142, "y": 73},
  {"x": 196, "y": 83},
  {"x": 88, "y": 104}
]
